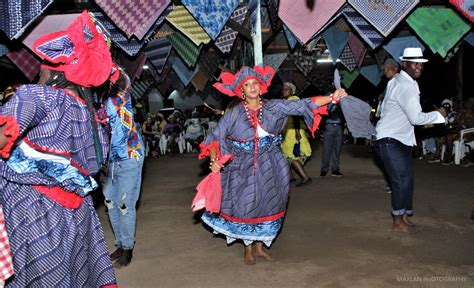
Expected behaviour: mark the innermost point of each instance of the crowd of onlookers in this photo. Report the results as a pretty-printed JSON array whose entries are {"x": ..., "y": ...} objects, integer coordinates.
[{"x": 177, "y": 132}]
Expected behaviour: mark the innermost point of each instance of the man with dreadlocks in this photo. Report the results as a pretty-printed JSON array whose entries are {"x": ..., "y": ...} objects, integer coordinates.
[{"x": 51, "y": 145}]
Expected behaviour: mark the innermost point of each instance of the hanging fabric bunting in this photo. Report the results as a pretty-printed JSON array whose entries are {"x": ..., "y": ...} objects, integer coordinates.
[
  {"x": 335, "y": 40},
  {"x": 157, "y": 52},
  {"x": 134, "y": 17},
  {"x": 372, "y": 73},
  {"x": 226, "y": 39},
  {"x": 440, "y": 28},
  {"x": 466, "y": 7},
  {"x": 347, "y": 58},
  {"x": 211, "y": 14},
  {"x": 185, "y": 48},
  {"x": 358, "y": 49},
  {"x": 292, "y": 41},
  {"x": 299, "y": 80},
  {"x": 184, "y": 73},
  {"x": 370, "y": 35},
  {"x": 304, "y": 60},
  {"x": 185, "y": 22},
  {"x": 164, "y": 30},
  {"x": 470, "y": 38},
  {"x": 348, "y": 77},
  {"x": 132, "y": 46},
  {"x": 3, "y": 50},
  {"x": 209, "y": 62},
  {"x": 199, "y": 81},
  {"x": 253, "y": 5},
  {"x": 26, "y": 62},
  {"x": 273, "y": 13},
  {"x": 396, "y": 45},
  {"x": 133, "y": 66},
  {"x": 274, "y": 60},
  {"x": 17, "y": 15},
  {"x": 312, "y": 44},
  {"x": 384, "y": 15},
  {"x": 139, "y": 88},
  {"x": 303, "y": 21}
]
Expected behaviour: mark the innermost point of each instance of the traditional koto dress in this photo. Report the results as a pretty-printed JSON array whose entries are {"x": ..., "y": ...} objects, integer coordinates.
[{"x": 255, "y": 183}]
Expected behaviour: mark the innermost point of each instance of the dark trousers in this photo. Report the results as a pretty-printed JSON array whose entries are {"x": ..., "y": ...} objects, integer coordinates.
[
  {"x": 396, "y": 160},
  {"x": 332, "y": 145}
]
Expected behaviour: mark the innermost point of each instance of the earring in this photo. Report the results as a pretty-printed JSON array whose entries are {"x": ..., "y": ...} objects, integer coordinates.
[{"x": 243, "y": 95}]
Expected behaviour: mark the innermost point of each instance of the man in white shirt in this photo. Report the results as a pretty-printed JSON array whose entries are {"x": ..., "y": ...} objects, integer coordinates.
[{"x": 400, "y": 111}]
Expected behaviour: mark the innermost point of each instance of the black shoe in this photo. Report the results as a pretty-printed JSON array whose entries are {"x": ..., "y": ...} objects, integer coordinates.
[
  {"x": 336, "y": 174},
  {"x": 323, "y": 174},
  {"x": 124, "y": 259},
  {"x": 292, "y": 180},
  {"x": 304, "y": 182},
  {"x": 116, "y": 254}
]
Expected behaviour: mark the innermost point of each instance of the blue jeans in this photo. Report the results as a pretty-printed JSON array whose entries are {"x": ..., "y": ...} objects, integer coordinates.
[
  {"x": 396, "y": 160},
  {"x": 121, "y": 193},
  {"x": 332, "y": 145}
]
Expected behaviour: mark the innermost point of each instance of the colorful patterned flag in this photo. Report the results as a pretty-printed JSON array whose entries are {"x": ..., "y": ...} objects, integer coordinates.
[
  {"x": 384, "y": 15},
  {"x": 466, "y": 7},
  {"x": 211, "y": 14},
  {"x": 134, "y": 17},
  {"x": 348, "y": 77},
  {"x": 370, "y": 35},
  {"x": 304, "y": 60},
  {"x": 26, "y": 62},
  {"x": 17, "y": 15},
  {"x": 132, "y": 46},
  {"x": 209, "y": 62},
  {"x": 274, "y": 60},
  {"x": 347, "y": 58},
  {"x": 470, "y": 38},
  {"x": 273, "y": 13},
  {"x": 185, "y": 22},
  {"x": 372, "y": 73},
  {"x": 335, "y": 40},
  {"x": 226, "y": 39},
  {"x": 199, "y": 81},
  {"x": 358, "y": 49},
  {"x": 133, "y": 66},
  {"x": 440, "y": 28},
  {"x": 396, "y": 45},
  {"x": 185, "y": 48},
  {"x": 157, "y": 52},
  {"x": 306, "y": 21},
  {"x": 292, "y": 41},
  {"x": 184, "y": 73}
]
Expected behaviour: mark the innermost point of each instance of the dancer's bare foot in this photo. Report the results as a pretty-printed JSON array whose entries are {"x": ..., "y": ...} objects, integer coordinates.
[
  {"x": 407, "y": 221},
  {"x": 249, "y": 258},
  {"x": 401, "y": 227},
  {"x": 260, "y": 252}
]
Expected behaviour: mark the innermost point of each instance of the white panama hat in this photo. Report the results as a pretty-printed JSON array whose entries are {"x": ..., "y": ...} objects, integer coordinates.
[{"x": 413, "y": 54}]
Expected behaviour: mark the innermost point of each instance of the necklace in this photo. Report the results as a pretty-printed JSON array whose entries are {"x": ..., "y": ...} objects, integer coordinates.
[{"x": 254, "y": 118}]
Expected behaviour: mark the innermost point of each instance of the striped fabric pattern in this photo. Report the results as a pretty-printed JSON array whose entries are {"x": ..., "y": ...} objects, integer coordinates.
[
  {"x": 134, "y": 17},
  {"x": 370, "y": 35},
  {"x": 384, "y": 15},
  {"x": 185, "y": 22},
  {"x": 139, "y": 88},
  {"x": 466, "y": 7},
  {"x": 184, "y": 73},
  {"x": 185, "y": 48},
  {"x": 130, "y": 46},
  {"x": 440, "y": 28},
  {"x": 26, "y": 62},
  {"x": 226, "y": 39},
  {"x": 211, "y": 14},
  {"x": 17, "y": 15},
  {"x": 273, "y": 13},
  {"x": 6, "y": 263},
  {"x": 157, "y": 52},
  {"x": 306, "y": 21},
  {"x": 209, "y": 62},
  {"x": 274, "y": 60}
]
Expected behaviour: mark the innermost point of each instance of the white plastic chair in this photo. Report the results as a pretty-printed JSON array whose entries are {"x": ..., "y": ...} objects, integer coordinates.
[
  {"x": 460, "y": 145},
  {"x": 163, "y": 144}
]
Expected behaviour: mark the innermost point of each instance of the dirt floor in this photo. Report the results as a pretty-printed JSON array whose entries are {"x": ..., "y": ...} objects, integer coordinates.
[{"x": 336, "y": 232}]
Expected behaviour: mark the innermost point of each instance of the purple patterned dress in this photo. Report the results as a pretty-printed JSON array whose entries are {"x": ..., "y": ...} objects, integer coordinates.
[
  {"x": 255, "y": 184},
  {"x": 54, "y": 232}
]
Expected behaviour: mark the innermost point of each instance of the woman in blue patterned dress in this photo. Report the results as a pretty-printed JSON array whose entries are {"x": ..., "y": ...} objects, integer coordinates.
[
  {"x": 255, "y": 183},
  {"x": 51, "y": 146}
]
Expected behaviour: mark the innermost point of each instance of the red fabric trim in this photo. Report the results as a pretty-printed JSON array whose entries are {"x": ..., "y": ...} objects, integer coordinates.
[
  {"x": 11, "y": 130},
  {"x": 206, "y": 150},
  {"x": 229, "y": 78},
  {"x": 57, "y": 152},
  {"x": 60, "y": 196},
  {"x": 73, "y": 95},
  {"x": 110, "y": 286},
  {"x": 317, "y": 112},
  {"x": 253, "y": 220}
]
